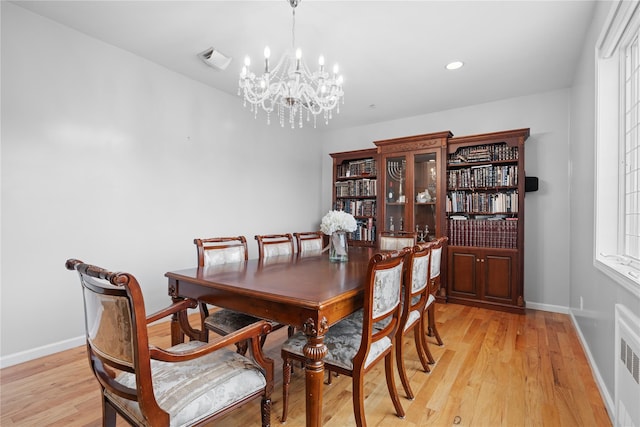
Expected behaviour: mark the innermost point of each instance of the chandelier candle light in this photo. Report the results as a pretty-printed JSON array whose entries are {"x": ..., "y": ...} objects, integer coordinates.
[
  {"x": 336, "y": 224},
  {"x": 291, "y": 87}
]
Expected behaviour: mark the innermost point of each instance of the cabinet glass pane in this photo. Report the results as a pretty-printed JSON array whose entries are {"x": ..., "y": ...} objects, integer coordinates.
[
  {"x": 425, "y": 185},
  {"x": 395, "y": 196}
]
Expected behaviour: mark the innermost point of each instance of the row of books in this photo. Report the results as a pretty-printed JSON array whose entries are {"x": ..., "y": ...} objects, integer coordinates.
[
  {"x": 484, "y": 233},
  {"x": 360, "y": 187},
  {"x": 366, "y": 231},
  {"x": 483, "y": 176},
  {"x": 357, "y": 168},
  {"x": 465, "y": 201},
  {"x": 357, "y": 207},
  {"x": 484, "y": 153}
]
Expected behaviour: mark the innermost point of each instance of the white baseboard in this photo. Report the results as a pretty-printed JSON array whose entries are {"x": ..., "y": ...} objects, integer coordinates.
[
  {"x": 49, "y": 349},
  {"x": 606, "y": 396},
  {"x": 548, "y": 307},
  {"x": 45, "y": 350}
]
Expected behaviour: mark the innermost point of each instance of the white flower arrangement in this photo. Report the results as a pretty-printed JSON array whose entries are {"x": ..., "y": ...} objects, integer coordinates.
[{"x": 338, "y": 221}]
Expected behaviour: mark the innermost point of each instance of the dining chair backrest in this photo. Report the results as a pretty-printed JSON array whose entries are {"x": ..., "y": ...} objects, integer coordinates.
[
  {"x": 417, "y": 275},
  {"x": 396, "y": 240},
  {"x": 311, "y": 241},
  {"x": 221, "y": 250},
  {"x": 270, "y": 245},
  {"x": 383, "y": 293},
  {"x": 436, "y": 256},
  {"x": 116, "y": 332}
]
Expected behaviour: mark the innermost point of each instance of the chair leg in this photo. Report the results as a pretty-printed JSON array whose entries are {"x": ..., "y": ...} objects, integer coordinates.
[
  {"x": 401, "y": 369},
  {"x": 391, "y": 384},
  {"x": 418, "y": 337},
  {"x": 204, "y": 313},
  {"x": 358, "y": 398},
  {"x": 425, "y": 345},
  {"x": 108, "y": 413},
  {"x": 433, "y": 330},
  {"x": 286, "y": 379},
  {"x": 265, "y": 411}
]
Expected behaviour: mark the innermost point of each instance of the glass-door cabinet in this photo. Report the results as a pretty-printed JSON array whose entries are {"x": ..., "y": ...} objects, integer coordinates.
[{"x": 411, "y": 172}]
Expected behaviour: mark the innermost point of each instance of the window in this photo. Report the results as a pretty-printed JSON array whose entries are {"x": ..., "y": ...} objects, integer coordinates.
[{"x": 617, "y": 246}]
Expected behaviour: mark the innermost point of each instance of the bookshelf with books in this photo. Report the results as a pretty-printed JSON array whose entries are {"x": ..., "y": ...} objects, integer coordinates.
[
  {"x": 485, "y": 219},
  {"x": 355, "y": 190}
]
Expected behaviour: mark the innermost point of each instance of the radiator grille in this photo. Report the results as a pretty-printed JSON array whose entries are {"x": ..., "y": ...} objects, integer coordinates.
[
  {"x": 627, "y": 369},
  {"x": 630, "y": 359}
]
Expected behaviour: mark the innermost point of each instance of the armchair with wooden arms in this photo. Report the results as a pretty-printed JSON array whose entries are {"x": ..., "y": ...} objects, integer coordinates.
[{"x": 184, "y": 385}]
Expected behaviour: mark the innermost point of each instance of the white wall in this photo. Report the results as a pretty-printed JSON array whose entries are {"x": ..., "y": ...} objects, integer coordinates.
[
  {"x": 114, "y": 160},
  {"x": 599, "y": 293},
  {"x": 546, "y": 156}
]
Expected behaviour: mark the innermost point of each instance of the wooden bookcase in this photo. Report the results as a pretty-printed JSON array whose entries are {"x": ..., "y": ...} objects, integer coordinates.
[
  {"x": 355, "y": 190},
  {"x": 470, "y": 189},
  {"x": 485, "y": 219}
]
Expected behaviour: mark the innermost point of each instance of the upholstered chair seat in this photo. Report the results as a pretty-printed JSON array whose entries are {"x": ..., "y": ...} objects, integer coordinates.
[
  {"x": 194, "y": 389},
  {"x": 343, "y": 342}
]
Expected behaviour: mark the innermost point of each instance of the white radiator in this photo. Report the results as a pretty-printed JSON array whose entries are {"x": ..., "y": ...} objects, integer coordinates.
[{"x": 627, "y": 368}]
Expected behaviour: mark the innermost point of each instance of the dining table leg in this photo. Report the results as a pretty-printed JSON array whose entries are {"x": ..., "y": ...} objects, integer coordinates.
[{"x": 315, "y": 350}]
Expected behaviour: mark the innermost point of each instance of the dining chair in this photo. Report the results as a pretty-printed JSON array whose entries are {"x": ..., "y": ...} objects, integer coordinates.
[
  {"x": 184, "y": 385},
  {"x": 270, "y": 245},
  {"x": 434, "y": 286},
  {"x": 311, "y": 242},
  {"x": 354, "y": 345},
  {"x": 415, "y": 296},
  {"x": 396, "y": 240},
  {"x": 217, "y": 251}
]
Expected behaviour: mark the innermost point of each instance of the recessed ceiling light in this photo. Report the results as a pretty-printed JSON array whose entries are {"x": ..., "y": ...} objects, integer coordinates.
[{"x": 454, "y": 65}]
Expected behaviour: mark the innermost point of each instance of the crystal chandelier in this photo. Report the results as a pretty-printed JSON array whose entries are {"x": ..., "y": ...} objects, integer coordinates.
[{"x": 290, "y": 87}]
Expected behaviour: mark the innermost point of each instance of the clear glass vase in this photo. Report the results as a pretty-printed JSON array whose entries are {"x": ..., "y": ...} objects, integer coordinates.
[{"x": 338, "y": 248}]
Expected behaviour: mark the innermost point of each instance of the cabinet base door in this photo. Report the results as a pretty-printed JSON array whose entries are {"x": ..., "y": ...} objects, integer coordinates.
[
  {"x": 462, "y": 274},
  {"x": 499, "y": 280}
]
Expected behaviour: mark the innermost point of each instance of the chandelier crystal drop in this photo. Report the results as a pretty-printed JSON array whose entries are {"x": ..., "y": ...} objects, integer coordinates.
[{"x": 291, "y": 88}]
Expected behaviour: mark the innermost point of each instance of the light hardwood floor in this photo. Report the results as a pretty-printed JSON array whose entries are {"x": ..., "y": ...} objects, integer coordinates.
[{"x": 495, "y": 369}]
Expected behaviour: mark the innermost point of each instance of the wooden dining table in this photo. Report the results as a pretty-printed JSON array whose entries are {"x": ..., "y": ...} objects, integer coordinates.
[{"x": 308, "y": 292}]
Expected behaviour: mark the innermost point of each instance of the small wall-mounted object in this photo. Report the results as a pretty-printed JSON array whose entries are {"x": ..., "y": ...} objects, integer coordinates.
[
  {"x": 531, "y": 183},
  {"x": 215, "y": 59}
]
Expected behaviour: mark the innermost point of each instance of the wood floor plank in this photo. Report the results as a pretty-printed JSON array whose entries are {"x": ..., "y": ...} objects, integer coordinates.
[{"x": 495, "y": 369}]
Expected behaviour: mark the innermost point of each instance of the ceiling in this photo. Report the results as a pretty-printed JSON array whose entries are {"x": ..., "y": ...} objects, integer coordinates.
[{"x": 392, "y": 54}]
